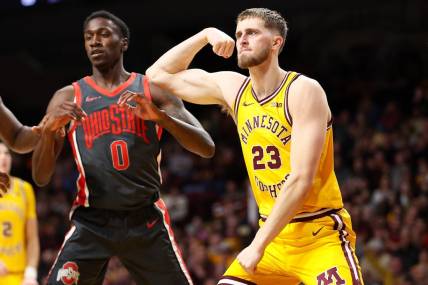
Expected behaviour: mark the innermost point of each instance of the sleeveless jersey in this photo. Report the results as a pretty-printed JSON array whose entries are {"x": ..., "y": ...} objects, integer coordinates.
[
  {"x": 16, "y": 207},
  {"x": 264, "y": 129},
  {"x": 117, "y": 153}
]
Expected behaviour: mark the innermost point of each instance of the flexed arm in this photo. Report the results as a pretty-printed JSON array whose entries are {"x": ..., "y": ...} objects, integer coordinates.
[
  {"x": 169, "y": 112},
  {"x": 195, "y": 85},
  {"x": 60, "y": 112}
]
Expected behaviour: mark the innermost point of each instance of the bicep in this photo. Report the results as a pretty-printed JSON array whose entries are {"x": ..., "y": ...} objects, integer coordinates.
[{"x": 195, "y": 86}]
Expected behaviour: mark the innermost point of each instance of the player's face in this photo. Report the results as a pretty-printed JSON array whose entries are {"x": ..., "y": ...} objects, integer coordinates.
[
  {"x": 253, "y": 42},
  {"x": 5, "y": 159},
  {"x": 103, "y": 42}
]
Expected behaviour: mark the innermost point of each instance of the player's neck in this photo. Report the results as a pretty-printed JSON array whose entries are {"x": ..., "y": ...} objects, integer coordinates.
[
  {"x": 110, "y": 78},
  {"x": 266, "y": 78}
]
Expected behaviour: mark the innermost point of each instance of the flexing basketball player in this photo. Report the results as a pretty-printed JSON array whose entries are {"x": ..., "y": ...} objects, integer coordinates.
[
  {"x": 117, "y": 211},
  {"x": 284, "y": 125},
  {"x": 19, "y": 237},
  {"x": 17, "y": 137}
]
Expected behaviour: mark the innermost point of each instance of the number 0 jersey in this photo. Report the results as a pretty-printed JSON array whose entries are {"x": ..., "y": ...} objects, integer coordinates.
[
  {"x": 16, "y": 207},
  {"x": 264, "y": 129},
  {"x": 117, "y": 153}
]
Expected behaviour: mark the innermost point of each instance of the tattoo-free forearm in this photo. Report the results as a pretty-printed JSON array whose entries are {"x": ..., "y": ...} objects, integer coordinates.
[
  {"x": 25, "y": 141},
  {"x": 192, "y": 138},
  {"x": 33, "y": 245},
  {"x": 44, "y": 159},
  {"x": 290, "y": 199}
]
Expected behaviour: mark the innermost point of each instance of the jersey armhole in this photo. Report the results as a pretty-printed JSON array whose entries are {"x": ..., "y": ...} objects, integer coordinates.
[
  {"x": 146, "y": 85},
  {"x": 147, "y": 93},
  {"x": 287, "y": 109},
  {"x": 78, "y": 101},
  {"x": 238, "y": 97}
]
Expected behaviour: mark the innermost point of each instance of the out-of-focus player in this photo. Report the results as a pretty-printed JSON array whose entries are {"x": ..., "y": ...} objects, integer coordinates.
[{"x": 19, "y": 241}]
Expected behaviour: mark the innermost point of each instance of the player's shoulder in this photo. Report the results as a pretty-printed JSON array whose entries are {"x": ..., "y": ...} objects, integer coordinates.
[
  {"x": 66, "y": 90},
  {"x": 230, "y": 83},
  {"x": 64, "y": 94},
  {"x": 305, "y": 83}
]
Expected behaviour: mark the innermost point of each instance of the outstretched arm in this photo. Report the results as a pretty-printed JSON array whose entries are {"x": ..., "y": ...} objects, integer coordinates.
[
  {"x": 310, "y": 112},
  {"x": 18, "y": 137},
  {"x": 195, "y": 85},
  {"x": 60, "y": 112}
]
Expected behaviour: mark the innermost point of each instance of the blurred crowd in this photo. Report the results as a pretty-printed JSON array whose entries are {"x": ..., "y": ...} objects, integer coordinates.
[{"x": 381, "y": 162}]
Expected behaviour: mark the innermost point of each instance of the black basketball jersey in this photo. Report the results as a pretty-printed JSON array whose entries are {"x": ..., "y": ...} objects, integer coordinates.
[{"x": 117, "y": 153}]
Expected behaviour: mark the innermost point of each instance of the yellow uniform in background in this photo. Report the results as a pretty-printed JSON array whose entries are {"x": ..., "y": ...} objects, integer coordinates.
[
  {"x": 318, "y": 245},
  {"x": 16, "y": 208}
]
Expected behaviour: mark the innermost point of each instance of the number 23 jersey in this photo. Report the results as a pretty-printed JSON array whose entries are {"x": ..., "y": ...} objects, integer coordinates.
[{"x": 264, "y": 129}]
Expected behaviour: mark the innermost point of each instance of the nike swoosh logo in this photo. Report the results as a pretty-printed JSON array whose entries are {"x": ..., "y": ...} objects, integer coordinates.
[
  {"x": 247, "y": 104},
  {"x": 315, "y": 233},
  {"x": 151, "y": 224},
  {"x": 90, "y": 99}
]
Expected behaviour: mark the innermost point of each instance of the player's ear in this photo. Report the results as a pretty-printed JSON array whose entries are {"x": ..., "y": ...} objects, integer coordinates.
[
  {"x": 277, "y": 42},
  {"x": 124, "y": 44}
]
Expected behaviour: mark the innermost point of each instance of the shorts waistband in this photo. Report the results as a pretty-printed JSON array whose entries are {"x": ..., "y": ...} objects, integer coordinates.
[{"x": 304, "y": 217}]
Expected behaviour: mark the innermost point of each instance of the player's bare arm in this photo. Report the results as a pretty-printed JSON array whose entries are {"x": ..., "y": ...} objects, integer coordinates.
[
  {"x": 310, "y": 113},
  {"x": 33, "y": 252},
  {"x": 196, "y": 85},
  {"x": 61, "y": 110},
  {"x": 18, "y": 137},
  {"x": 169, "y": 112}
]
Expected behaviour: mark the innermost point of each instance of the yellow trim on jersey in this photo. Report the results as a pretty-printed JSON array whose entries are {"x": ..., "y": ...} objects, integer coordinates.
[{"x": 264, "y": 128}]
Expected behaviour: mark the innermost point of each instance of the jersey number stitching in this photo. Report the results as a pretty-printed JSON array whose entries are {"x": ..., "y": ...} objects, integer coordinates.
[
  {"x": 119, "y": 155},
  {"x": 275, "y": 159}
]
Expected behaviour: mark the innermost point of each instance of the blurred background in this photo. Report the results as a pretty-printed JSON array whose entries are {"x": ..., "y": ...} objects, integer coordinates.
[{"x": 371, "y": 57}]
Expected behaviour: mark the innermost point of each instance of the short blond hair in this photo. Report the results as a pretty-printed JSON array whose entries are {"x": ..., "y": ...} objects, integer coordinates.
[{"x": 273, "y": 20}]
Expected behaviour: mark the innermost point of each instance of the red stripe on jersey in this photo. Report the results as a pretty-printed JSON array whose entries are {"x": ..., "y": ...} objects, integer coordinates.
[
  {"x": 147, "y": 92},
  {"x": 81, "y": 180},
  {"x": 160, "y": 204},
  {"x": 109, "y": 93},
  {"x": 147, "y": 88},
  {"x": 78, "y": 100},
  {"x": 67, "y": 237},
  {"x": 81, "y": 198}
]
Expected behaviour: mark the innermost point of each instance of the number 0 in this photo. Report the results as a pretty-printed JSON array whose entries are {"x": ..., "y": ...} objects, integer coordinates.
[{"x": 119, "y": 155}]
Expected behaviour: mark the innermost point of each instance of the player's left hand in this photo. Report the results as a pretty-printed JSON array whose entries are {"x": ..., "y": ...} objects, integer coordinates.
[
  {"x": 4, "y": 183},
  {"x": 249, "y": 258},
  {"x": 29, "y": 281},
  {"x": 141, "y": 106}
]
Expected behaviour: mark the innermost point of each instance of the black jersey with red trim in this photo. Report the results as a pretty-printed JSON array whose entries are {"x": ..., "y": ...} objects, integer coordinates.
[{"x": 117, "y": 153}]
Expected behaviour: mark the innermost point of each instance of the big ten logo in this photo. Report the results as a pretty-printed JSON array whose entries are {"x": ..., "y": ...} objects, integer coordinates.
[{"x": 330, "y": 276}]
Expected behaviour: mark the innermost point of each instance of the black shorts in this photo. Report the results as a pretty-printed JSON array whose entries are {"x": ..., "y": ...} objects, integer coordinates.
[{"x": 142, "y": 239}]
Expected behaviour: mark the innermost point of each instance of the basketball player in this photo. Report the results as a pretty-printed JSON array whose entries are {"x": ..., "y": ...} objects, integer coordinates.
[
  {"x": 17, "y": 137},
  {"x": 117, "y": 210},
  {"x": 19, "y": 240},
  {"x": 284, "y": 125}
]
